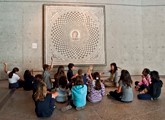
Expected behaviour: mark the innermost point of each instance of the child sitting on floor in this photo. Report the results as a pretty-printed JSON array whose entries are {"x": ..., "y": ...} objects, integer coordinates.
[
  {"x": 97, "y": 89},
  {"x": 143, "y": 85},
  {"x": 80, "y": 73},
  {"x": 38, "y": 79},
  {"x": 71, "y": 77},
  {"x": 60, "y": 72},
  {"x": 14, "y": 79},
  {"x": 62, "y": 90},
  {"x": 154, "y": 88},
  {"x": 79, "y": 93},
  {"x": 112, "y": 81},
  {"x": 28, "y": 78},
  {"x": 44, "y": 101},
  {"x": 124, "y": 92},
  {"x": 46, "y": 74}
]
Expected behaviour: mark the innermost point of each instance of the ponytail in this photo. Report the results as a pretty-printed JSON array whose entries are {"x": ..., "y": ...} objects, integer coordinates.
[
  {"x": 13, "y": 71},
  {"x": 97, "y": 85}
]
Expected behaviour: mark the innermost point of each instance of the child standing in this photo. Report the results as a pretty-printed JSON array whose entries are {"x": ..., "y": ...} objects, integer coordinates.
[
  {"x": 124, "y": 92},
  {"x": 79, "y": 92},
  {"x": 145, "y": 82},
  {"x": 46, "y": 75},
  {"x": 154, "y": 88},
  {"x": 113, "y": 80},
  {"x": 44, "y": 101},
  {"x": 97, "y": 89}
]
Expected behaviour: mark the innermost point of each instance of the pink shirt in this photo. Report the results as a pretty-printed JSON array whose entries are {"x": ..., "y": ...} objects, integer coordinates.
[{"x": 146, "y": 80}]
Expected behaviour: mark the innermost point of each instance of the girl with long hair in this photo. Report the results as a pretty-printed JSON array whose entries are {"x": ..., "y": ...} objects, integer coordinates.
[
  {"x": 60, "y": 72},
  {"x": 124, "y": 92},
  {"x": 44, "y": 100},
  {"x": 28, "y": 80},
  {"x": 97, "y": 88},
  {"x": 112, "y": 81}
]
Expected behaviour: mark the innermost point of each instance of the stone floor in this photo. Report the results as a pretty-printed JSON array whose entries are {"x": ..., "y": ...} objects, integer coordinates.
[{"x": 19, "y": 106}]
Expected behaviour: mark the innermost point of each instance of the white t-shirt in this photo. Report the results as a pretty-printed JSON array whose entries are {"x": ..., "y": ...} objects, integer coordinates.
[{"x": 14, "y": 78}]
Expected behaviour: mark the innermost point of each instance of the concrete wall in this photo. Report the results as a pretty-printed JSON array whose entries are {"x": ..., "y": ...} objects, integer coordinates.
[{"x": 134, "y": 33}]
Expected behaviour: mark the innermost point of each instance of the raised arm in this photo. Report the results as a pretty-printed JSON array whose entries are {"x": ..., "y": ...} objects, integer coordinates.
[
  {"x": 89, "y": 71},
  {"x": 5, "y": 67},
  {"x": 51, "y": 64}
]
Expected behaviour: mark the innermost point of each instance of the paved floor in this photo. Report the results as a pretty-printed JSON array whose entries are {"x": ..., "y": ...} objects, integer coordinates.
[{"x": 19, "y": 106}]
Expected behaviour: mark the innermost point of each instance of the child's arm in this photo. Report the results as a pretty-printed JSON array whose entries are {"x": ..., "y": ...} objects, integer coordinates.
[
  {"x": 149, "y": 79},
  {"x": 102, "y": 90},
  {"x": 116, "y": 79},
  {"x": 5, "y": 67},
  {"x": 74, "y": 76},
  {"x": 143, "y": 81},
  {"x": 105, "y": 72},
  {"x": 54, "y": 95},
  {"x": 51, "y": 64},
  {"x": 119, "y": 89},
  {"x": 89, "y": 72}
]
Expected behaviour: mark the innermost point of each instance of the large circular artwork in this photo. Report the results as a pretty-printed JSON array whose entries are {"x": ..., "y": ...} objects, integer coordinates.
[{"x": 74, "y": 34}]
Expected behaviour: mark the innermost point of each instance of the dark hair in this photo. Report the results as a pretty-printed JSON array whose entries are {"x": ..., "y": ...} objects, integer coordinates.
[
  {"x": 27, "y": 74},
  {"x": 154, "y": 76},
  {"x": 70, "y": 65},
  {"x": 80, "y": 71},
  {"x": 13, "y": 71},
  {"x": 63, "y": 81},
  {"x": 60, "y": 68},
  {"x": 146, "y": 71},
  {"x": 126, "y": 78},
  {"x": 60, "y": 72},
  {"x": 39, "y": 77},
  {"x": 79, "y": 80},
  {"x": 115, "y": 67},
  {"x": 45, "y": 66},
  {"x": 96, "y": 76}
]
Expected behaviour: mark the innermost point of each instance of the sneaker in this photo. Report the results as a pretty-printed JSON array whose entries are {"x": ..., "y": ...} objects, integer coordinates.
[
  {"x": 66, "y": 108},
  {"x": 79, "y": 108}
]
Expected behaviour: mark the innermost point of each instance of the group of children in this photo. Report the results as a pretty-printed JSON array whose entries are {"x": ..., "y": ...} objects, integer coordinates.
[{"x": 75, "y": 89}]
